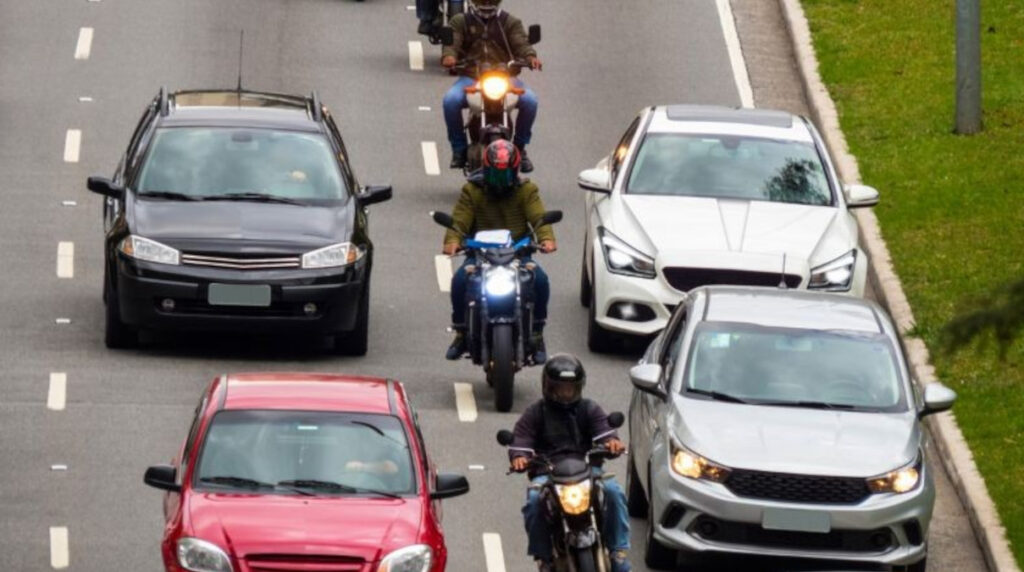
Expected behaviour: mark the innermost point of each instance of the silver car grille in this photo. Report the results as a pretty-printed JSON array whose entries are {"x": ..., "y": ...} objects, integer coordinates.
[{"x": 249, "y": 263}]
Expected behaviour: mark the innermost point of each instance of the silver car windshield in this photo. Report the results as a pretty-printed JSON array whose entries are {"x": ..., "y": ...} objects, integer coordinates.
[
  {"x": 730, "y": 167},
  {"x": 205, "y": 162},
  {"x": 794, "y": 367},
  {"x": 324, "y": 453}
]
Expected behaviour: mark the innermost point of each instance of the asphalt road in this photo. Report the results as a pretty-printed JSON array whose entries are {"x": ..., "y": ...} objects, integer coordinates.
[{"x": 126, "y": 410}]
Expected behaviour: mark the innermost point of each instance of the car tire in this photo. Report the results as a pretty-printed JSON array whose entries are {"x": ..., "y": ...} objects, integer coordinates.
[
  {"x": 356, "y": 342},
  {"x": 599, "y": 340},
  {"x": 117, "y": 335},
  {"x": 657, "y": 556},
  {"x": 636, "y": 500},
  {"x": 585, "y": 285}
]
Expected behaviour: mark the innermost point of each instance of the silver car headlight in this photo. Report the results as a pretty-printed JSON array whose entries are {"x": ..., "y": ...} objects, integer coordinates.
[
  {"x": 202, "y": 556},
  {"x": 149, "y": 250},
  {"x": 686, "y": 463},
  {"x": 836, "y": 275},
  {"x": 332, "y": 256},
  {"x": 415, "y": 558},
  {"x": 500, "y": 281},
  {"x": 574, "y": 498},
  {"x": 622, "y": 258},
  {"x": 902, "y": 480}
]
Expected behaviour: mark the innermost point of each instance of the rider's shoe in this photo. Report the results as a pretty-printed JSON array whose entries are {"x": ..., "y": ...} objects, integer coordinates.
[
  {"x": 457, "y": 348},
  {"x": 544, "y": 565},
  {"x": 425, "y": 28},
  {"x": 540, "y": 351},
  {"x": 525, "y": 164},
  {"x": 620, "y": 561},
  {"x": 458, "y": 159}
]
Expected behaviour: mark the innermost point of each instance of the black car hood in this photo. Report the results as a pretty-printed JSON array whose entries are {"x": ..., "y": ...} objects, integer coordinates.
[{"x": 241, "y": 226}]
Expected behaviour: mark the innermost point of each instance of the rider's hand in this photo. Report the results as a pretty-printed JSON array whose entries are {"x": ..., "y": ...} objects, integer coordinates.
[
  {"x": 448, "y": 61},
  {"x": 615, "y": 447},
  {"x": 450, "y": 248},
  {"x": 535, "y": 63},
  {"x": 548, "y": 246},
  {"x": 519, "y": 464}
]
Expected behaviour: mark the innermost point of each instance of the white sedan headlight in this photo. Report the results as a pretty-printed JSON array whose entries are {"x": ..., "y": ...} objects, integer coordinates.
[
  {"x": 622, "y": 258},
  {"x": 202, "y": 556},
  {"x": 149, "y": 250},
  {"x": 415, "y": 558},
  {"x": 332, "y": 256},
  {"x": 500, "y": 281},
  {"x": 836, "y": 275}
]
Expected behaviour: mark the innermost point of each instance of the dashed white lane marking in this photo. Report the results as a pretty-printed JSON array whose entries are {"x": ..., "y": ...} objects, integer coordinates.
[
  {"x": 63, "y": 321},
  {"x": 416, "y": 56},
  {"x": 57, "y": 396},
  {"x": 84, "y": 45},
  {"x": 424, "y": 108},
  {"x": 85, "y": 99},
  {"x": 72, "y": 145},
  {"x": 443, "y": 268},
  {"x": 411, "y": 8},
  {"x": 430, "y": 163},
  {"x": 65, "y": 260},
  {"x": 493, "y": 554},
  {"x": 465, "y": 403},
  {"x": 58, "y": 468},
  {"x": 59, "y": 557},
  {"x": 69, "y": 203},
  {"x": 732, "y": 42}
]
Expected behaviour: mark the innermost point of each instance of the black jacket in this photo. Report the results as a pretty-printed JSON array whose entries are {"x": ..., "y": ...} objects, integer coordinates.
[{"x": 544, "y": 429}]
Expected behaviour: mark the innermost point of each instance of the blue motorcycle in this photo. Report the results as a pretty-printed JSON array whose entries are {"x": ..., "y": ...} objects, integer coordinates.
[{"x": 499, "y": 303}]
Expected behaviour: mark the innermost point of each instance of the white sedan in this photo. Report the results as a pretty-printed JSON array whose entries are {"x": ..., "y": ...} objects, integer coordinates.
[{"x": 697, "y": 195}]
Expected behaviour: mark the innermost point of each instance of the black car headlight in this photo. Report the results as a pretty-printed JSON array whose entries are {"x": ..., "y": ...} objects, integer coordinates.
[
  {"x": 835, "y": 275},
  {"x": 148, "y": 250},
  {"x": 333, "y": 256},
  {"x": 621, "y": 258}
]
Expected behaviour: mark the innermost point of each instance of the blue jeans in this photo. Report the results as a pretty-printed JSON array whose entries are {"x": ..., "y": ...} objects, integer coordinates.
[
  {"x": 615, "y": 526},
  {"x": 541, "y": 292},
  {"x": 455, "y": 101}
]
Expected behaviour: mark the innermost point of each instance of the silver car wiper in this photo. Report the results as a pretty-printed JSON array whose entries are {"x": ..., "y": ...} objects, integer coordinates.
[
  {"x": 254, "y": 197},
  {"x": 717, "y": 395}
]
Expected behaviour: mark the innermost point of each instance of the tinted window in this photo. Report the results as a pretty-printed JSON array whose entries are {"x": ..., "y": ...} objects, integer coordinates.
[
  {"x": 217, "y": 161},
  {"x": 730, "y": 167}
]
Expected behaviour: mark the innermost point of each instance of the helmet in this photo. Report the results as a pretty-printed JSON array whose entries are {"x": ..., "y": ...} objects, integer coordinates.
[
  {"x": 484, "y": 8},
  {"x": 501, "y": 167},
  {"x": 563, "y": 380}
]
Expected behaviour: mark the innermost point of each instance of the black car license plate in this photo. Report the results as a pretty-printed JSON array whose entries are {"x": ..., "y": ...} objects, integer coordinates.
[{"x": 239, "y": 295}]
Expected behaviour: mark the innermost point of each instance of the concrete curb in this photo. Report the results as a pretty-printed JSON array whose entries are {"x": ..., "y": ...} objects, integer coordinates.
[{"x": 953, "y": 450}]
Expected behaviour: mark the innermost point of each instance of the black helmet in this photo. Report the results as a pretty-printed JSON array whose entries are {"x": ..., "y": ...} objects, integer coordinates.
[
  {"x": 563, "y": 380},
  {"x": 484, "y": 8},
  {"x": 501, "y": 167}
]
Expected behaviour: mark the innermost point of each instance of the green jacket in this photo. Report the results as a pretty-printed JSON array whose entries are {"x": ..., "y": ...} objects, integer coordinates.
[
  {"x": 476, "y": 210},
  {"x": 506, "y": 39}
]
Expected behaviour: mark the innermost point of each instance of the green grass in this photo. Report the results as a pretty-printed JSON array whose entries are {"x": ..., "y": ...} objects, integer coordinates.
[{"x": 952, "y": 209}]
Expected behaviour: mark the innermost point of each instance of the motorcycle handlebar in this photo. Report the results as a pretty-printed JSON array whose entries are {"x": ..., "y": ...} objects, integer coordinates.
[
  {"x": 542, "y": 460},
  {"x": 471, "y": 67}
]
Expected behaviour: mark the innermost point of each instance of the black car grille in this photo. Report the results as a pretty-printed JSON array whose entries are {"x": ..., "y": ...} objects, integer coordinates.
[
  {"x": 865, "y": 541},
  {"x": 797, "y": 488},
  {"x": 255, "y": 262},
  {"x": 686, "y": 279}
]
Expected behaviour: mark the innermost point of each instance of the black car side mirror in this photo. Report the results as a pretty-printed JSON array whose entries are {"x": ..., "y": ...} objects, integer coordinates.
[
  {"x": 162, "y": 477},
  {"x": 449, "y": 485},
  {"x": 551, "y": 217},
  {"x": 616, "y": 419},
  {"x": 505, "y": 437},
  {"x": 373, "y": 194},
  {"x": 534, "y": 33},
  {"x": 106, "y": 187},
  {"x": 446, "y": 35}
]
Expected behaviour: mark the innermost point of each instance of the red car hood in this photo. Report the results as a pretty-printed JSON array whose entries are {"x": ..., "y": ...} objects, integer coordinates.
[{"x": 366, "y": 528}]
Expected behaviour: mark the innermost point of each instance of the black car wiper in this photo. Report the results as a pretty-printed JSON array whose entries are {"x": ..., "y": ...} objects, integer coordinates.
[
  {"x": 236, "y": 482},
  {"x": 170, "y": 195},
  {"x": 254, "y": 197},
  {"x": 332, "y": 486},
  {"x": 810, "y": 404},
  {"x": 380, "y": 432},
  {"x": 717, "y": 395}
]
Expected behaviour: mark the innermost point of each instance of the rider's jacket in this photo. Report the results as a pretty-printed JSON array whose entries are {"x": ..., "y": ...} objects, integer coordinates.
[
  {"x": 478, "y": 210},
  {"x": 557, "y": 431},
  {"x": 498, "y": 40}
]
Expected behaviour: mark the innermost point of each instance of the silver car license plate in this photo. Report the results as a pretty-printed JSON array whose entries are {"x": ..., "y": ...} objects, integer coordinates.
[
  {"x": 239, "y": 295},
  {"x": 796, "y": 520}
]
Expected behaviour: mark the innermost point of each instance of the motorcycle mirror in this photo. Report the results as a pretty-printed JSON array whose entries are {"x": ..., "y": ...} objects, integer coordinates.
[
  {"x": 443, "y": 219},
  {"x": 616, "y": 419},
  {"x": 447, "y": 36},
  {"x": 551, "y": 217},
  {"x": 505, "y": 437},
  {"x": 534, "y": 33}
]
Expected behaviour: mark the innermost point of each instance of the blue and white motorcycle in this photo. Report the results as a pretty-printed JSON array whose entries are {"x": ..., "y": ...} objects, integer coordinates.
[{"x": 499, "y": 303}]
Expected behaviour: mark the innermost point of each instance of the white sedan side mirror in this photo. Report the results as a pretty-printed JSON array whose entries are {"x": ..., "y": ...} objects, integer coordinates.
[
  {"x": 597, "y": 180},
  {"x": 859, "y": 196}
]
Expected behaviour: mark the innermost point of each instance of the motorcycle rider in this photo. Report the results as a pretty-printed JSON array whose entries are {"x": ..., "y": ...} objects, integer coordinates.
[
  {"x": 564, "y": 421},
  {"x": 487, "y": 34},
  {"x": 495, "y": 197}
]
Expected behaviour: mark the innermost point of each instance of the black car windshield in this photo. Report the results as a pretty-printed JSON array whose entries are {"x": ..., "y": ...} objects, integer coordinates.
[
  {"x": 730, "y": 167},
  {"x": 320, "y": 452},
  {"x": 222, "y": 162},
  {"x": 794, "y": 367}
]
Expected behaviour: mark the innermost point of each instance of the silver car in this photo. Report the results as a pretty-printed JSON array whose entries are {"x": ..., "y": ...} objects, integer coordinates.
[{"x": 780, "y": 422}]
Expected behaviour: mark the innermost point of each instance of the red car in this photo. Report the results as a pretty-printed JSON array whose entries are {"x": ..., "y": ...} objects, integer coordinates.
[{"x": 310, "y": 472}]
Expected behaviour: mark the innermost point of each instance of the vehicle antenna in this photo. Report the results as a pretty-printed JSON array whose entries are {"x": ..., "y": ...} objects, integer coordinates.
[
  {"x": 782, "y": 277},
  {"x": 241, "y": 43}
]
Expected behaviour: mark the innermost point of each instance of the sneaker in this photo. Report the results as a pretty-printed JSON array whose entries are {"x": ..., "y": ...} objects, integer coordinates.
[
  {"x": 458, "y": 159},
  {"x": 620, "y": 561},
  {"x": 540, "y": 351},
  {"x": 457, "y": 347},
  {"x": 425, "y": 28},
  {"x": 525, "y": 164}
]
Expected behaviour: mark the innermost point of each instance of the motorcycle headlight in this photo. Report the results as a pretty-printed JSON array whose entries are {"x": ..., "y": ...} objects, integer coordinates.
[
  {"x": 575, "y": 498},
  {"x": 202, "y": 556},
  {"x": 149, "y": 250},
  {"x": 494, "y": 87},
  {"x": 332, "y": 256},
  {"x": 690, "y": 464},
  {"x": 622, "y": 258},
  {"x": 415, "y": 558},
  {"x": 902, "y": 480},
  {"x": 836, "y": 275},
  {"x": 500, "y": 281}
]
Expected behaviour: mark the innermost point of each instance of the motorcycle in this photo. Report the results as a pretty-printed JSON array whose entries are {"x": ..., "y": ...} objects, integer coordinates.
[
  {"x": 499, "y": 304},
  {"x": 572, "y": 499}
]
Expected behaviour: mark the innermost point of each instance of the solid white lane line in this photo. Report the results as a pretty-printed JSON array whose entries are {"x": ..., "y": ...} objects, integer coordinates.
[
  {"x": 59, "y": 557},
  {"x": 465, "y": 403},
  {"x": 84, "y": 45},
  {"x": 416, "y": 56},
  {"x": 57, "y": 396},
  {"x": 65, "y": 260},
  {"x": 732, "y": 42},
  {"x": 493, "y": 553},
  {"x": 443, "y": 269},
  {"x": 72, "y": 145},
  {"x": 430, "y": 163}
]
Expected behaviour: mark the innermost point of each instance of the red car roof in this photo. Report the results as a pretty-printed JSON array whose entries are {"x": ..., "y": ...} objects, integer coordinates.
[{"x": 308, "y": 392}]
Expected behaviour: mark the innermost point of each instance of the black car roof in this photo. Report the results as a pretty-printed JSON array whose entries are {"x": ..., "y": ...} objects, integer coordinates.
[{"x": 230, "y": 108}]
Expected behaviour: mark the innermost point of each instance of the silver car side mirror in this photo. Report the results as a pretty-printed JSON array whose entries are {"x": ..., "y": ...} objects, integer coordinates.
[
  {"x": 597, "y": 180},
  {"x": 647, "y": 378},
  {"x": 860, "y": 196},
  {"x": 937, "y": 398}
]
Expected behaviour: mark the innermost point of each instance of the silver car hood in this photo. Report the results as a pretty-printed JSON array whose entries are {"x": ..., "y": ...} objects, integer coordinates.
[{"x": 796, "y": 440}]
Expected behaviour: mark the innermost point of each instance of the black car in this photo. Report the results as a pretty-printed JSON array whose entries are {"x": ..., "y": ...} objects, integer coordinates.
[{"x": 237, "y": 211}]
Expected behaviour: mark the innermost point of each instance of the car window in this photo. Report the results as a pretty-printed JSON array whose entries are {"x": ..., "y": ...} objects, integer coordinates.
[
  {"x": 781, "y": 366},
  {"x": 132, "y": 154},
  {"x": 673, "y": 342},
  {"x": 619, "y": 154},
  {"x": 205, "y": 162},
  {"x": 730, "y": 167},
  {"x": 342, "y": 152},
  {"x": 193, "y": 431},
  {"x": 348, "y": 449}
]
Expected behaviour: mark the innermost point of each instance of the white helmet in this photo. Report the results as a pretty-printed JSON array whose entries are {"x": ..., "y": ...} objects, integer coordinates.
[{"x": 484, "y": 8}]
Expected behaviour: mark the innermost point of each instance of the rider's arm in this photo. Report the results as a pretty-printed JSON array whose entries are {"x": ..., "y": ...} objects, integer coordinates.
[
  {"x": 518, "y": 39},
  {"x": 533, "y": 207},
  {"x": 524, "y": 442},
  {"x": 458, "y": 26},
  {"x": 464, "y": 215}
]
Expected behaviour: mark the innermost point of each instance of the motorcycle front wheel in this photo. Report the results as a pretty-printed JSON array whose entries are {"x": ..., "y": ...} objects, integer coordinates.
[
  {"x": 503, "y": 366},
  {"x": 585, "y": 560}
]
